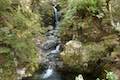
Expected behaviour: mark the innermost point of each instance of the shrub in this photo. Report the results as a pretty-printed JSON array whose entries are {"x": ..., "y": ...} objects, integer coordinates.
[
  {"x": 17, "y": 29},
  {"x": 109, "y": 76},
  {"x": 92, "y": 7}
]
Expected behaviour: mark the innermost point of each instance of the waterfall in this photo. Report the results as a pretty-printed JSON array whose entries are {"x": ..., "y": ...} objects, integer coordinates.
[
  {"x": 48, "y": 73},
  {"x": 52, "y": 47},
  {"x": 56, "y": 17},
  {"x": 50, "y": 51}
]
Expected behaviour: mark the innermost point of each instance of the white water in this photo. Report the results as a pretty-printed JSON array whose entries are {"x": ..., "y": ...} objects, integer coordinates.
[
  {"x": 56, "y": 13},
  {"x": 57, "y": 50},
  {"x": 51, "y": 73},
  {"x": 48, "y": 73}
]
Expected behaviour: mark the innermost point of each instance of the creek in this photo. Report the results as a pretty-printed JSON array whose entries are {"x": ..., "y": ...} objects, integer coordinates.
[{"x": 51, "y": 49}]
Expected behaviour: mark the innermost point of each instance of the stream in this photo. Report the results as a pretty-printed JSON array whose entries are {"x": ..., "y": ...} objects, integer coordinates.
[
  {"x": 51, "y": 49},
  {"x": 51, "y": 61}
]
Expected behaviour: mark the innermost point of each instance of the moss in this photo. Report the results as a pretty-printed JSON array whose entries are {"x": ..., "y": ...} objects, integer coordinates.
[{"x": 86, "y": 57}]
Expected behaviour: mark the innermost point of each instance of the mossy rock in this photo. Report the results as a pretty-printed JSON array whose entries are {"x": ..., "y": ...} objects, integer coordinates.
[{"x": 84, "y": 57}]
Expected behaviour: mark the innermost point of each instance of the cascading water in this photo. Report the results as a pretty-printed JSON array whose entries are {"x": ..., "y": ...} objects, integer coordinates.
[
  {"x": 52, "y": 49},
  {"x": 56, "y": 17},
  {"x": 50, "y": 52}
]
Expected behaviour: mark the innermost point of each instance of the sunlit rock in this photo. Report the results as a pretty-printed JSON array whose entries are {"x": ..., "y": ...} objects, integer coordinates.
[
  {"x": 21, "y": 73},
  {"x": 84, "y": 57},
  {"x": 80, "y": 77}
]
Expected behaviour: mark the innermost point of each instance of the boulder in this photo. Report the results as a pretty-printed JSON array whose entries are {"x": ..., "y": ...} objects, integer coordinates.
[{"x": 84, "y": 57}]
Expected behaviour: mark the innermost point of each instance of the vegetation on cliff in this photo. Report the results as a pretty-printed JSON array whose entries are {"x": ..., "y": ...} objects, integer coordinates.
[
  {"x": 18, "y": 26},
  {"x": 95, "y": 25}
]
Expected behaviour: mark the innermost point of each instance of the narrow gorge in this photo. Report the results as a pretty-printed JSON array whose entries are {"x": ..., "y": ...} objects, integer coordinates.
[{"x": 59, "y": 40}]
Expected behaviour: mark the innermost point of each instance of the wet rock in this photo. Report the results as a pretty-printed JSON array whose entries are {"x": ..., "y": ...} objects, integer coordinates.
[
  {"x": 50, "y": 44},
  {"x": 53, "y": 33},
  {"x": 52, "y": 38},
  {"x": 57, "y": 50},
  {"x": 50, "y": 27},
  {"x": 49, "y": 33}
]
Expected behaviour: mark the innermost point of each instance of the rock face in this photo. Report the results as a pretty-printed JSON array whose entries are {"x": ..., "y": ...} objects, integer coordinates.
[
  {"x": 84, "y": 57},
  {"x": 46, "y": 11}
]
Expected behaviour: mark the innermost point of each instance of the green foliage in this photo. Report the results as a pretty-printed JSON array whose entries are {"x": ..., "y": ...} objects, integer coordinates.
[
  {"x": 115, "y": 4},
  {"x": 92, "y": 7},
  {"x": 80, "y": 14},
  {"x": 109, "y": 76},
  {"x": 18, "y": 26},
  {"x": 6, "y": 4}
]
